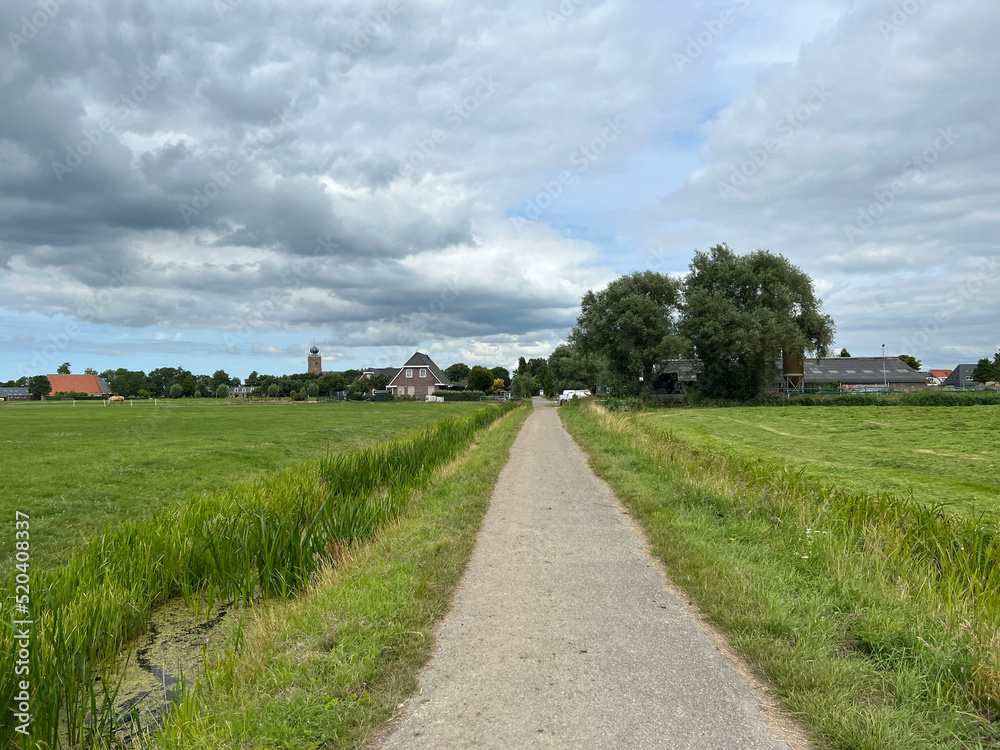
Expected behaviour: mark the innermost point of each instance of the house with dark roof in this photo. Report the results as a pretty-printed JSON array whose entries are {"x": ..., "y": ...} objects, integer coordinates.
[
  {"x": 92, "y": 385},
  {"x": 15, "y": 394},
  {"x": 418, "y": 378},
  {"x": 961, "y": 377}
]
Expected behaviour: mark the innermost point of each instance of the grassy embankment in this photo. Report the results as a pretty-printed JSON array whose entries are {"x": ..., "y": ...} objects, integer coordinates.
[
  {"x": 921, "y": 397},
  {"x": 328, "y": 668},
  {"x": 76, "y": 469},
  {"x": 875, "y": 617},
  {"x": 244, "y": 543},
  {"x": 947, "y": 456}
]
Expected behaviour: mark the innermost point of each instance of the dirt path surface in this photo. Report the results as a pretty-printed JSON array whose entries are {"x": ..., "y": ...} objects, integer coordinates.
[{"x": 564, "y": 634}]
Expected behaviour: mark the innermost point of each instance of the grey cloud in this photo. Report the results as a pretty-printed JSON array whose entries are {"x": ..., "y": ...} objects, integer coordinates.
[{"x": 290, "y": 147}]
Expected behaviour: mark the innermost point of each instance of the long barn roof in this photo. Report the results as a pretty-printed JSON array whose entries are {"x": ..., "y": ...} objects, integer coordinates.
[
  {"x": 78, "y": 384},
  {"x": 846, "y": 370},
  {"x": 861, "y": 371}
]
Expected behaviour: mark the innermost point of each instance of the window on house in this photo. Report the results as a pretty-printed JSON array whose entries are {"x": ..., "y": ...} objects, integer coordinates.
[
  {"x": 423, "y": 372},
  {"x": 409, "y": 373}
]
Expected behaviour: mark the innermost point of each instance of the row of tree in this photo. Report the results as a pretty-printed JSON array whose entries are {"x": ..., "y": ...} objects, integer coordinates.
[
  {"x": 734, "y": 313},
  {"x": 177, "y": 382},
  {"x": 478, "y": 378}
]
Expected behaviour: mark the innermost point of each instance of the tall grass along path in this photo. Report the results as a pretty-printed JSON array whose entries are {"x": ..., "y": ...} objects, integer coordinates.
[
  {"x": 875, "y": 616},
  {"x": 564, "y": 634},
  {"x": 251, "y": 541}
]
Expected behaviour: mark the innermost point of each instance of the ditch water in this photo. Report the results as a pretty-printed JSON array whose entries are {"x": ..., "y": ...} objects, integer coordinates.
[{"x": 172, "y": 649}]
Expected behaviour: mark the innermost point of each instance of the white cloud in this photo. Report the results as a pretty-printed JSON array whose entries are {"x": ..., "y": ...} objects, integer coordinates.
[
  {"x": 871, "y": 161},
  {"x": 364, "y": 189}
]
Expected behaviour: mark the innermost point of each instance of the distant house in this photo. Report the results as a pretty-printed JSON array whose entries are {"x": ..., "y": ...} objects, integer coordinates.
[
  {"x": 936, "y": 377},
  {"x": 418, "y": 378},
  {"x": 92, "y": 385},
  {"x": 241, "y": 391},
  {"x": 961, "y": 377},
  {"x": 16, "y": 394}
]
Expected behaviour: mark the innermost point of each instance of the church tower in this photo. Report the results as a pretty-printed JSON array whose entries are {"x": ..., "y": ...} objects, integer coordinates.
[{"x": 315, "y": 361}]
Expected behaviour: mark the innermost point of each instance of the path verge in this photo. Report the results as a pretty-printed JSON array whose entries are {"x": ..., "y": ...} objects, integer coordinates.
[
  {"x": 564, "y": 633},
  {"x": 329, "y": 667}
]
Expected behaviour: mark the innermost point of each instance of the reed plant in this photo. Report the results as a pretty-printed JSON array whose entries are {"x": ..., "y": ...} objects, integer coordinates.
[{"x": 256, "y": 540}]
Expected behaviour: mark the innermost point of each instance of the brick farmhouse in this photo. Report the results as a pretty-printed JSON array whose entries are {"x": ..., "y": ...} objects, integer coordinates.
[{"x": 418, "y": 378}]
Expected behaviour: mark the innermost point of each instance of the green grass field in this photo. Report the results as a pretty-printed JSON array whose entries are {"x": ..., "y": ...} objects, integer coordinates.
[
  {"x": 76, "y": 469},
  {"x": 946, "y": 455}
]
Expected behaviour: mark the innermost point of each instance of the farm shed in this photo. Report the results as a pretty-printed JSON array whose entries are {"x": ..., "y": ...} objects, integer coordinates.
[
  {"x": 92, "y": 385},
  {"x": 16, "y": 394},
  {"x": 862, "y": 372}
]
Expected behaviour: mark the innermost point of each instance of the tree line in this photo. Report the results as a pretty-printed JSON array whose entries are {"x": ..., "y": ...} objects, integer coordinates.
[
  {"x": 177, "y": 382},
  {"x": 733, "y": 313}
]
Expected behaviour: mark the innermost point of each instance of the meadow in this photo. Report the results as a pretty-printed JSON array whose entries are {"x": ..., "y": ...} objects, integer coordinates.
[
  {"x": 75, "y": 470},
  {"x": 241, "y": 544},
  {"x": 947, "y": 456}
]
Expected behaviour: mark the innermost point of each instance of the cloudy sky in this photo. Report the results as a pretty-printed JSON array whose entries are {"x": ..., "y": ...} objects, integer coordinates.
[{"x": 222, "y": 183}]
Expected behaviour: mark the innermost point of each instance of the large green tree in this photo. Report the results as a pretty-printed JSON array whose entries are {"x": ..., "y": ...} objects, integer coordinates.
[
  {"x": 986, "y": 371},
  {"x": 457, "y": 372},
  {"x": 631, "y": 324},
  {"x": 911, "y": 361},
  {"x": 63, "y": 369},
  {"x": 162, "y": 378},
  {"x": 503, "y": 374},
  {"x": 127, "y": 382},
  {"x": 573, "y": 368},
  {"x": 331, "y": 382},
  {"x": 367, "y": 383},
  {"x": 741, "y": 311},
  {"x": 39, "y": 386},
  {"x": 480, "y": 379},
  {"x": 538, "y": 369},
  {"x": 522, "y": 386}
]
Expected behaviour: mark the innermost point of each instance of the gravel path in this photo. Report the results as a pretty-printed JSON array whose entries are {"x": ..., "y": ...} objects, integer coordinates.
[{"x": 564, "y": 634}]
